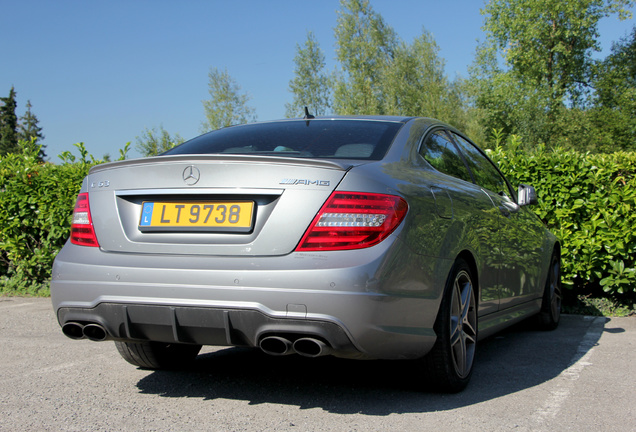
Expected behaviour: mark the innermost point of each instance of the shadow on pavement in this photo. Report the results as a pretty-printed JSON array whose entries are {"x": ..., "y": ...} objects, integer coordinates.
[{"x": 514, "y": 360}]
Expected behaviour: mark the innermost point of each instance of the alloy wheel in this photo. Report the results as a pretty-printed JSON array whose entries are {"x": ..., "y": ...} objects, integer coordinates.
[{"x": 463, "y": 325}]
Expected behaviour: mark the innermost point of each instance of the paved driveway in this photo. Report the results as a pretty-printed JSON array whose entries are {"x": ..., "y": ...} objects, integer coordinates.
[{"x": 579, "y": 377}]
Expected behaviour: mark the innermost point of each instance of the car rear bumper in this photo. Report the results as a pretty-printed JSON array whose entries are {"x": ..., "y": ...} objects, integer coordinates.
[
  {"x": 359, "y": 303},
  {"x": 205, "y": 325}
]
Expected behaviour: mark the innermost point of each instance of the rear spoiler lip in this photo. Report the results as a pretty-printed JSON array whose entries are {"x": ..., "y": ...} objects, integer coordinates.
[{"x": 340, "y": 165}]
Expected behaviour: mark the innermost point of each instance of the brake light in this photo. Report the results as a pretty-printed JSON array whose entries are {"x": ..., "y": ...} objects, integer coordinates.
[
  {"x": 350, "y": 220},
  {"x": 82, "y": 231}
]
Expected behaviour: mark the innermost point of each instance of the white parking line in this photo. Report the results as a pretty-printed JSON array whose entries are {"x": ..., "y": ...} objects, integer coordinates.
[{"x": 566, "y": 379}]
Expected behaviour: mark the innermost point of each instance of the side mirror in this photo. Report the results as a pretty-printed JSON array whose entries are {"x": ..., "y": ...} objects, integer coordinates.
[{"x": 527, "y": 195}]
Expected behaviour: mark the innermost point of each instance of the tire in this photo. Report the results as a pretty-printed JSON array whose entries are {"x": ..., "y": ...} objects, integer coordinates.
[
  {"x": 550, "y": 314},
  {"x": 449, "y": 364},
  {"x": 157, "y": 355}
]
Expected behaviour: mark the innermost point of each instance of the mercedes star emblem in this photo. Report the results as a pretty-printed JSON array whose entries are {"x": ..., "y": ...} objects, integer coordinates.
[{"x": 191, "y": 175}]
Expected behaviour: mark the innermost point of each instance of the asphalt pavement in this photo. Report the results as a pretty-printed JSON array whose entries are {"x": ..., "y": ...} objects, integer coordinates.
[{"x": 580, "y": 377}]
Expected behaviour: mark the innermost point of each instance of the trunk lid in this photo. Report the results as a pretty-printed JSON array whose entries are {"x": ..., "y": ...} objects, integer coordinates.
[{"x": 254, "y": 205}]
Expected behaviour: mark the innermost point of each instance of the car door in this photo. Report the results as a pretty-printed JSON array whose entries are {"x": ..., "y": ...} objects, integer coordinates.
[
  {"x": 471, "y": 209},
  {"x": 518, "y": 242}
]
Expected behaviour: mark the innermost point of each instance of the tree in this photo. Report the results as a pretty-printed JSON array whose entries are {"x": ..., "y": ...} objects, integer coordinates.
[
  {"x": 8, "y": 124},
  {"x": 311, "y": 84},
  {"x": 366, "y": 47},
  {"x": 614, "y": 100},
  {"x": 30, "y": 131},
  {"x": 381, "y": 74},
  {"x": 156, "y": 141},
  {"x": 415, "y": 83},
  {"x": 546, "y": 47},
  {"x": 227, "y": 105},
  {"x": 501, "y": 102}
]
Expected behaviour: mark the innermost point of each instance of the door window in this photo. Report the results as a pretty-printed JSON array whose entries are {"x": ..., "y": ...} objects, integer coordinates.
[
  {"x": 485, "y": 172},
  {"x": 443, "y": 155}
]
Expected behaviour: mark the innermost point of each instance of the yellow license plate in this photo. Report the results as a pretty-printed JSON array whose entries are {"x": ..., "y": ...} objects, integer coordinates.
[{"x": 221, "y": 216}]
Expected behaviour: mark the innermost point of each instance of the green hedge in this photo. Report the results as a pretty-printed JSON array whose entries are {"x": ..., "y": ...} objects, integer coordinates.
[
  {"x": 36, "y": 206},
  {"x": 589, "y": 202}
]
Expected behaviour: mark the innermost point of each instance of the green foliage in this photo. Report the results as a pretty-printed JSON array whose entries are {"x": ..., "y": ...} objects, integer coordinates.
[
  {"x": 613, "y": 112},
  {"x": 365, "y": 48},
  {"x": 589, "y": 202},
  {"x": 381, "y": 74},
  {"x": 156, "y": 141},
  {"x": 123, "y": 153},
  {"x": 8, "y": 124},
  {"x": 415, "y": 83},
  {"x": 29, "y": 130},
  {"x": 227, "y": 106},
  {"x": 534, "y": 74},
  {"x": 36, "y": 207},
  {"x": 14, "y": 133},
  {"x": 311, "y": 85},
  {"x": 36, "y": 204},
  {"x": 599, "y": 306}
]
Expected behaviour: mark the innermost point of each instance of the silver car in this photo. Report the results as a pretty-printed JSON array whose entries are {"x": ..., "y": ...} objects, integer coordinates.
[{"x": 358, "y": 237}]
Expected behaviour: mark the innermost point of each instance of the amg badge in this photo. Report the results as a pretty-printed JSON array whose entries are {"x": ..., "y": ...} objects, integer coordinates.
[{"x": 304, "y": 182}]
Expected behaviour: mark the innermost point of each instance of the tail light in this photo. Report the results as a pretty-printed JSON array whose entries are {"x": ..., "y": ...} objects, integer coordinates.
[
  {"x": 82, "y": 231},
  {"x": 351, "y": 220}
]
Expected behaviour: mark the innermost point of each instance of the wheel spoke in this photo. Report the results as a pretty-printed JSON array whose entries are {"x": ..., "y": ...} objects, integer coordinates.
[
  {"x": 469, "y": 331},
  {"x": 455, "y": 332},
  {"x": 463, "y": 324},
  {"x": 459, "y": 354},
  {"x": 465, "y": 295}
]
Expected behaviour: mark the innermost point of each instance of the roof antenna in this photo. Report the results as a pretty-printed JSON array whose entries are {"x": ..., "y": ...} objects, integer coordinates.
[{"x": 307, "y": 117}]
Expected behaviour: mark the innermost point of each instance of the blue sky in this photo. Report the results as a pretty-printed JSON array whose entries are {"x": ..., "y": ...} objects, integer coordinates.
[{"x": 102, "y": 72}]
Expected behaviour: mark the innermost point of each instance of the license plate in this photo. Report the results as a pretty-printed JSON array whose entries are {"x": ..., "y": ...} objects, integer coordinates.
[{"x": 220, "y": 216}]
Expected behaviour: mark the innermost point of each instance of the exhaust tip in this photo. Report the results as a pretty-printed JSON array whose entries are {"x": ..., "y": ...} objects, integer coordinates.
[
  {"x": 309, "y": 347},
  {"x": 73, "y": 330},
  {"x": 276, "y": 345},
  {"x": 95, "y": 332}
]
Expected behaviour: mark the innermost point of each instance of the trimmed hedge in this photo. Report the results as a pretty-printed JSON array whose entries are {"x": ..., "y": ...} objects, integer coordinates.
[
  {"x": 589, "y": 202},
  {"x": 36, "y": 206}
]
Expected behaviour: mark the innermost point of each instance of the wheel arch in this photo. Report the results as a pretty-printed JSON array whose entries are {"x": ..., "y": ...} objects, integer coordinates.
[{"x": 469, "y": 258}]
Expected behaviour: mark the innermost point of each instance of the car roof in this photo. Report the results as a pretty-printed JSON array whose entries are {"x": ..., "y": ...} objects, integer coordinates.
[
  {"x": 382, "y": 118},
  {"x": 385, "y": 118}
]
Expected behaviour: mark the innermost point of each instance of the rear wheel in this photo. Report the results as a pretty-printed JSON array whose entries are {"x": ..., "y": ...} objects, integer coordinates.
[
  {"x": 550, "y": 314},
  {"x": 450, "y": 362},
  {"x": 157, "y": 355}
]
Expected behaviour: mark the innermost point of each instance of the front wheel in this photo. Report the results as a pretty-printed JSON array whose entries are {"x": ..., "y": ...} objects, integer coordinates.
[
  {"x": 450, "y": 362},
  {"x": 157, "y": 355}
]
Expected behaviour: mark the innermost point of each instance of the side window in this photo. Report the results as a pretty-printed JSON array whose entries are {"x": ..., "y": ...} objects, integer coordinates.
[
  {"x": 486, "y": 175},
  {"x": 441, "y": 153}
]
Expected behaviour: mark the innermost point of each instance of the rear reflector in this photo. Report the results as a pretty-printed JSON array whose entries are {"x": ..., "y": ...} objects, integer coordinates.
[
  {"x": 82, "y": 231},
  {"x": 350, "y": 220}
]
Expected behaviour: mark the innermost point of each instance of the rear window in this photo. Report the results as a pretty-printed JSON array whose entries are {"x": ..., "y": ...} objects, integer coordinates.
[{"x": 317, "y": 138}]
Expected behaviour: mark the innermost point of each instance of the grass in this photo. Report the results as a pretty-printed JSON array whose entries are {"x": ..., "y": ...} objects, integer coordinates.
[
  {"x": 19, "y": 288},
  {"x": 599, "y": 306}
]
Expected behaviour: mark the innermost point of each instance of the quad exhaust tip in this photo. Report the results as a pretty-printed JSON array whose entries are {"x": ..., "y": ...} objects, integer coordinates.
[
  {"x": 306, "y": 347},
  {"x": 73, "y": 330},
  {"x": 94, "y": 332},
  {"x": 276, "y": 345},
  {"x": 310, "y": 347}
]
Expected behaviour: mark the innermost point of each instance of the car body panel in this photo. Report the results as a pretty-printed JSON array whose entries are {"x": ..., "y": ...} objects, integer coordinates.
[{"x": 281, "y": 188}]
